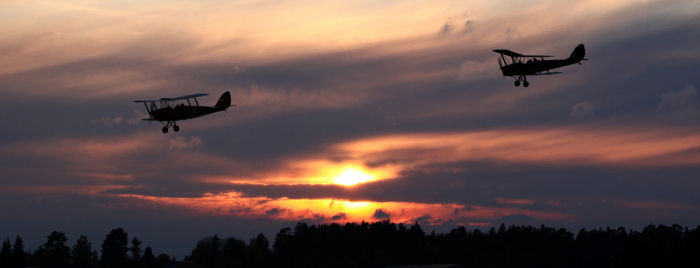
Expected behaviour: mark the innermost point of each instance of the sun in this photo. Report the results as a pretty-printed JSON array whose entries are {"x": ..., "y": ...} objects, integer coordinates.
[{"x": 351, "y": 176}]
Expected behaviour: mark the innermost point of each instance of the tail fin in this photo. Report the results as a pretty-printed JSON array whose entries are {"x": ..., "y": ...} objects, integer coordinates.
[
  {"x": 224, "y": 101},
  {"x": 578, "y": 54}
]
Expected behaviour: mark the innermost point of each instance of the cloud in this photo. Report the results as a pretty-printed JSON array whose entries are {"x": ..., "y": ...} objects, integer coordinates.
[
  {"x": 681, "y": 104},
  {"x": 108, "y": 121},
  {"x": 510, "y": 201},
  {"x": 179, "y": 143},
  {"x": 423, "y": 220},
  {"x": 468, "y": 27},
  {"x": 339, "y": 217},
  {"x": 582, "y": 109},
  {"x": 380, "y": 214},
  {"x": 561, "y": 146},
  {"x": 445, "y": 29}
]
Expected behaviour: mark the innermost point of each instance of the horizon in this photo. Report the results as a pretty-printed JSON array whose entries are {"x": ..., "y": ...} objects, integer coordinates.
[{"x": 346, "y": 111}]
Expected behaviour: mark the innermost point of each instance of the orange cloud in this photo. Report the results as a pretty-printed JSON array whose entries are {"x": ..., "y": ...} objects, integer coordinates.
[
  {"x": 315, "y": 171},
  {"x": 626, "y": 146},
  {"x": 508, "y": 201},
  {"x": 334, "y": 210}
]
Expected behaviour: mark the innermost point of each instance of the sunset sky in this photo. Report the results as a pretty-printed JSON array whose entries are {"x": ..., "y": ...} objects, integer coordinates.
[{"x": 346, "y": 111}]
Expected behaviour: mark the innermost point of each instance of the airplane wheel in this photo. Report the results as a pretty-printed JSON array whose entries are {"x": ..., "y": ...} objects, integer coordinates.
[
  {"x": 176, "y": 128},
  {"x": 165, "y": 130},
  {"x": 517, "y": 83},
  {"x": 526, "y": 84}
]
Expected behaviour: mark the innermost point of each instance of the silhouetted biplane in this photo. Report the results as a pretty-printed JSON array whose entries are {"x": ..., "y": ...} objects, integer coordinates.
[
  {"x": 513, "y": 64},
  {"x": 169, "y": 110}
]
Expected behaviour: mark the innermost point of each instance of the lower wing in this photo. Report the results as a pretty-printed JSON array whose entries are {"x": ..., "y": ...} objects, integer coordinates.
[{"x": 547, "y": 73}]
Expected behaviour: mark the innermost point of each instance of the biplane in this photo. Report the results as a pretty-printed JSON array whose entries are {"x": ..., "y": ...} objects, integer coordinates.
[
  {"x": 168, "y": 111},
  {"x": 515, "y": 65}
]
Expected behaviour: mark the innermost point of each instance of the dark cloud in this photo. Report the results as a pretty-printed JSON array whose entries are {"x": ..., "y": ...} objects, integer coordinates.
[
  {"x": 380, "y": 214},
  {"x": 273, "y": 212},
  {"x": 468, "y": 27},
  {"x": 424, "y": 220},
  {"x": 339, "y": 216},
  {"x": 445, "y": 29},
  {"x": 681, "y": 105}
]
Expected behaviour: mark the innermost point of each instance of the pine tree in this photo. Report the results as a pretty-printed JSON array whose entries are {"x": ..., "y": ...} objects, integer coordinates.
[
  {"x": 135, "y": 250},
  {"x": 114, "y": 249},
  {"x": 82, "y": 252},
  {"x": 148, "y": 259},
  {"x": 6, "y": 253},
  {"x": 18, "y": 254},
  {"x": 55, "y": 253}
]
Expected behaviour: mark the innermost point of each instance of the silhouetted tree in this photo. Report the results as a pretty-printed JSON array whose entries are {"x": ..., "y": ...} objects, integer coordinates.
[
  {"x": 259, "y": 252},
  {"x": 207, "y": 251},
  {"x": 18, "y": 254},
  {"x": 385, "y": 243},
  {"x": 135, "y": 250},
  {"x": 233, "y": 253},
  {"x": 163, "y": 260},
  {"x": 54, "y": 253},
  {"x": 83, "y": 253},
  {"x": 6, "y": 253},
  {"x": 148, "y": 259},
  {"x": 114, "y": 249}
]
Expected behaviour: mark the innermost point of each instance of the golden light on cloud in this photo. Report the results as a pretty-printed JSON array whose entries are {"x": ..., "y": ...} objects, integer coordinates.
[
  {"x": 564, "y": 146},
  {"x": 316, "y": 172},
  {"x": 340, "y": 211},
  {"x": 351, "y": 176}
]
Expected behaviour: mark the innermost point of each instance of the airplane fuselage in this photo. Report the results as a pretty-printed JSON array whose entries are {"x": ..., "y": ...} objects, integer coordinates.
[
  {"x": 534, "y": 66},
  {"x": 183, "y": 112}
]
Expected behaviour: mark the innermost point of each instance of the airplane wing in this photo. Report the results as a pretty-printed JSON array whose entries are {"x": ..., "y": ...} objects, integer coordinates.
[
  {"x": 516, "y": 54},
  {"x": 507, "y": 52},
  {"x": 185, "y": 97},
  {"x": 146, "y": 100},
  {"x": 547, "y": 73}
]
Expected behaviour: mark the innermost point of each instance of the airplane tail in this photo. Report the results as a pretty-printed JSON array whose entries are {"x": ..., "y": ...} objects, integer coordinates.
[
  {"x": 224, "y": 101},
  {"x": 578, "y": 54}
]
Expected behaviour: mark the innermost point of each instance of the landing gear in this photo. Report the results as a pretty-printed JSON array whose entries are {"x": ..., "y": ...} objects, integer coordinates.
[
  {"x": 168, "y": 124},
  {"x": 521, "y": 78}
]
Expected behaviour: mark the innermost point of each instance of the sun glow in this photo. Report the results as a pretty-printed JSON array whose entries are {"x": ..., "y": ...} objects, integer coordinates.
[{"x": 351, "y": 176}]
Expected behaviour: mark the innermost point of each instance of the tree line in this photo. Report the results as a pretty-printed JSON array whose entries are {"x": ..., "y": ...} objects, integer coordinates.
[
  {"x": 384, "y": 243},
  {"x": 116, "y": 252}
]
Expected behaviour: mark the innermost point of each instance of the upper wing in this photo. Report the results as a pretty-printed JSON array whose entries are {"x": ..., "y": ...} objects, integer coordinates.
[
  {"x": 507, "y": 52},
  {"x": 516, "y": 54},
  {"x": 176, "y": 98},
  {"x": 185, "y": 97}
]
